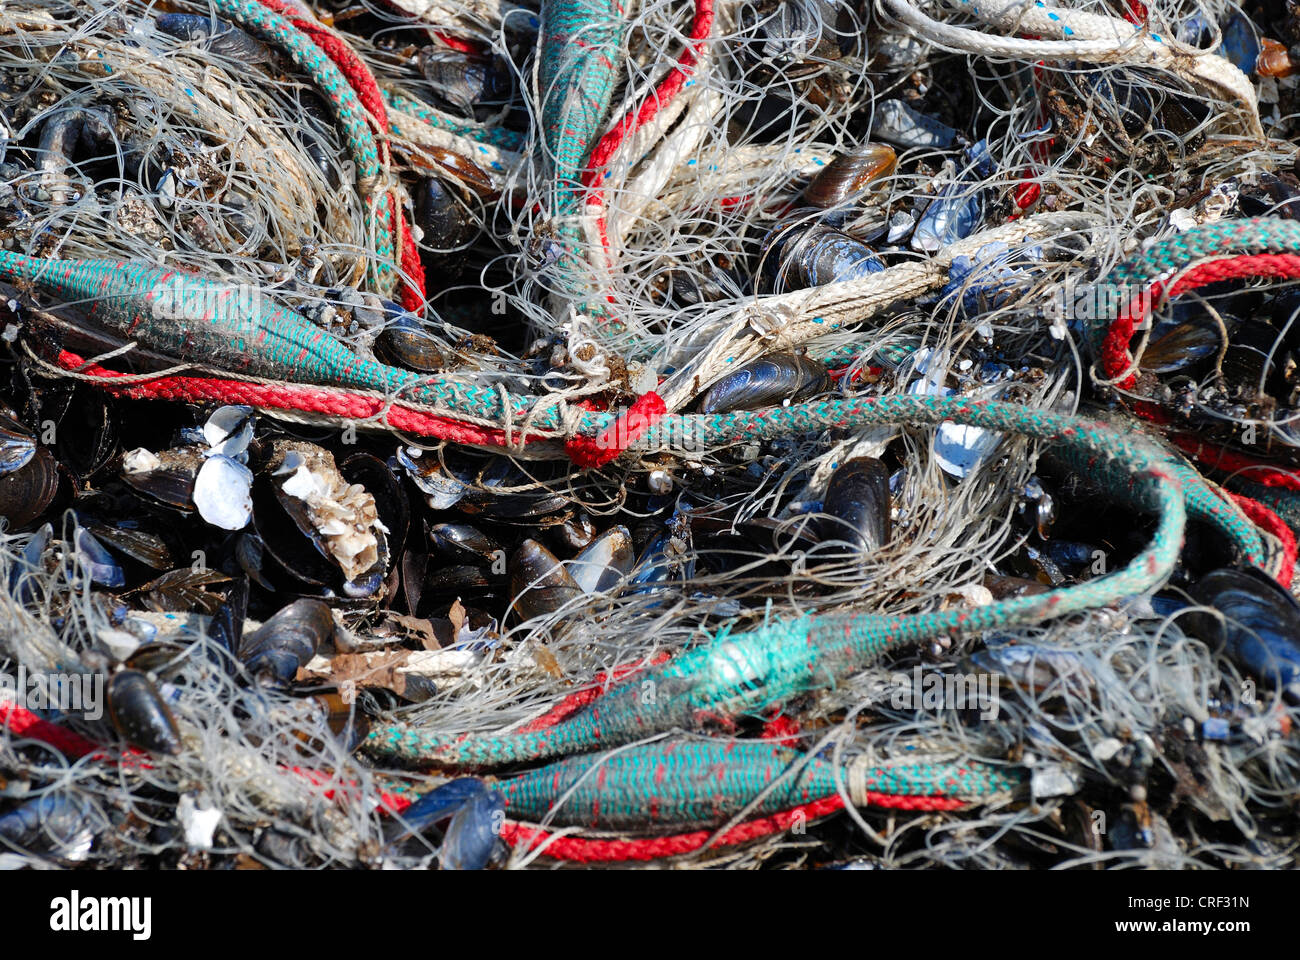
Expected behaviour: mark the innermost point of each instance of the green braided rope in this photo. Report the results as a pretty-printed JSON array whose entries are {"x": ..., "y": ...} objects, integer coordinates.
[
  {"x": 496, "y": 136},
  {"x": 581, "y": 60},
  {"x": 754, "y": 671},
  {"x": 686, "y": 783},
  {"x": 351, "y": 115}
]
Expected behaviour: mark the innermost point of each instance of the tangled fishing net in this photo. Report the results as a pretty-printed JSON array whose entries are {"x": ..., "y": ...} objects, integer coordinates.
[{"x": 712, "y": 433}]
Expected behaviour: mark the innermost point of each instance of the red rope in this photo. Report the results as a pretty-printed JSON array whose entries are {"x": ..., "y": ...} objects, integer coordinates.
[
  {"x": 607, "y": 445},
  {"x": 1268, "y": 521},
  {"x": 634, "y": 120},
  {"x": 576, "y": 701},
  {"x": 291, "y": 396},
  {"x": 588, "y": 850},
  {"x": 1218, "y": 457},
  {"x": 1115, "y": 359},
  {"x": 367, "y": 90}
]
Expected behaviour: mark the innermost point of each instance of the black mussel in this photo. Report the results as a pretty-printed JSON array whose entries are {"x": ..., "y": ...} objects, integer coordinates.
[
  {"x": 851, "y": 175},
  {"x": 17, "y": 445},
  {"x": 706, "y": 284},
  {"x": 391, "y": 502},
  {"x": 1177, "y": 346},
  {"x": 857, "y": 506},
  {"x": 572, "y": 533},
  {"x": 495, "y": 492},
  {"x": 1260, "y": 624},
  {"x": 606, "y": 562},
  {"x": 1252, "y": 359},
  {"x": 226, "y": 628},
  {"x": 538, "y": 581},
  {"x": 167, "y": 476},
  {"x": 812, "y": 255},
  {"x": 798, "y": 32},
  {"x": 63, "y": 133},
  {"x": 1271, "y": 196},
  {"x": 53, "y": 824},
  {"x": 313, "y": 143},
  {"x": 140, "y": 715},
  {"x": 215, "y": 36},
  {"x": 1006, "y": 588},
  {"x": 467, "y": 84},
  {"x": 287, "y": 641},
  {"x": 443, "y": 483},
  {"x": 767, "y": 382},
  {"x": 669, "y": 556},
  {"x": 26, "y": 493},
  {"x": 406, "y": 342},
  {"x": 462, "y": 576},
  {"x": 441, "y": 212},
  {"x": 462, "y": 543},
  {"x": 279, "y": 539},
  {"x": 86, "y": 439}
]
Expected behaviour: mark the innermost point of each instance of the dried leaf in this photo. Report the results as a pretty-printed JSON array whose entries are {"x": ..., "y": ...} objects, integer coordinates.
[
  {"x": 182, "y": 591},
  {"x": 417, "y": 625}
]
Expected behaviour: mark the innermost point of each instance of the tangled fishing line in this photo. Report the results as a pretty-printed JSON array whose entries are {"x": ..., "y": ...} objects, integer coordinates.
[{"x": 468, "y": 432}]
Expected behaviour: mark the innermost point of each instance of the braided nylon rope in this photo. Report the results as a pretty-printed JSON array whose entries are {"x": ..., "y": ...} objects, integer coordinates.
[
  {"x": 1081, "y": 36},
  {"x": 690, "y": 783},
  {"x": 580, "y": 65},
  {"x": 351, "y": 115},
  {"x": 744, "y": 673},
  {"x": 1139, "y": 273},
  {"x": 197, "y": 319},
  {"x": 500, "y": 137}
]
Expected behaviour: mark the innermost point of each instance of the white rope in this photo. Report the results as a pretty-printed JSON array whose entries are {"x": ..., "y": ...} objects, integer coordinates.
[{"x": 1083, "y": 36}]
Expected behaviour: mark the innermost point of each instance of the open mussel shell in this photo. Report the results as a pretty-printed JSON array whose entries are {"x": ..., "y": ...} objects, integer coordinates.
[
  {"x": 857, "y": 506},
  {"x": 767, "y": 382},
  {"x": 86, "y": 438},
  {"x": 539, "y": 582},
  {"x": 444, "y": 484},
  {"x": 287, "y": 641},
  {"x": 17, "y": 446},
  {"x": 139, "y": 714},
  {"x": 606, "y": 562},
  {"x": 167, "y": 477},
  {"x": 28, "y": 492},
  {"x": 1260, "y": 624},
  {"x": 283, "y": 542},
  {"x": 391, "y": 502},
  {"x": 813, "y": 255},
  {"x": 339, "y": 518},
  {"x": 851, "y": 175},
  {"x": 133, "y": 539}
]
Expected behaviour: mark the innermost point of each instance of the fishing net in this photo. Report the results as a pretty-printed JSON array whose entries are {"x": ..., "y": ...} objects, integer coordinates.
[{"x": 552, "y": 242}]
